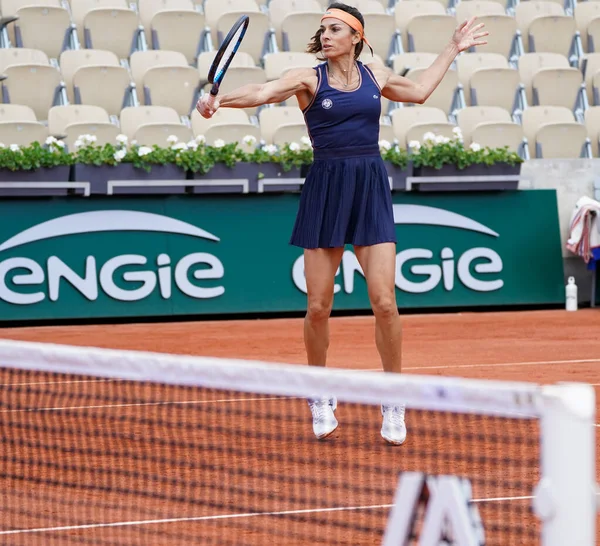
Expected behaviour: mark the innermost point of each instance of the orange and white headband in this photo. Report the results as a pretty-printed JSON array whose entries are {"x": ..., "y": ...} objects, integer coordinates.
[{"x": 350, "y": 20}]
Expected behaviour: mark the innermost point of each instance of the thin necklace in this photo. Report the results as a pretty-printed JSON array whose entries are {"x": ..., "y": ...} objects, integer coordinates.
[{"x": 345, "y": 85}]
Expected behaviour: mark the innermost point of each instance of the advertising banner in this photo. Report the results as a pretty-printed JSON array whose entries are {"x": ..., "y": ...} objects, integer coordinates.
[{"x": 209, "y": 254}]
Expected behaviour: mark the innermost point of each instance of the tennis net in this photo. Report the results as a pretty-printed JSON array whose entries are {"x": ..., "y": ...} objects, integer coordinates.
[{"x": 130, "y": 448}]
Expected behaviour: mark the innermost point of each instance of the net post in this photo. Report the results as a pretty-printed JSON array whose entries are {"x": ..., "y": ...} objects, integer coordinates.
[{"x": 565, "y": 497}]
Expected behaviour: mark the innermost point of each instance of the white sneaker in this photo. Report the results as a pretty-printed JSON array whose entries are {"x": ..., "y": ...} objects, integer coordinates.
[
  {"x": 324, "y": 421},
  {"x": 393, "y": 428}
]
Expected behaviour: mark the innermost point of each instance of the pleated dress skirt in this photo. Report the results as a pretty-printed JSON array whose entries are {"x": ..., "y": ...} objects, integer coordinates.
[{"x": 345, "y": 199}]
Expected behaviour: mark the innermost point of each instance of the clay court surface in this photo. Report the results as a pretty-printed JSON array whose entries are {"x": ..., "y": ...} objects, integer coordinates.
[{"x": 539, "y": 346}]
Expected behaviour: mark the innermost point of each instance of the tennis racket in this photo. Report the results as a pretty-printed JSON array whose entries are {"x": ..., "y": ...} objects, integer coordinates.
[{"x": 224, "y": 56}]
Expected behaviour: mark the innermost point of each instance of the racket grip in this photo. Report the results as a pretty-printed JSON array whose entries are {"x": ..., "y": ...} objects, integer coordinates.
[{"x": 210, "y": 102}]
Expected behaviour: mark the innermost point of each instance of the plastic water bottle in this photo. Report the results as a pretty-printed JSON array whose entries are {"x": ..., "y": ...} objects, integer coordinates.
[{"x": 571, "y": 294}]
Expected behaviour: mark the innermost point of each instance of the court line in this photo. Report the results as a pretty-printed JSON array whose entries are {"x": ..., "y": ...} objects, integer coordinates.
[{"x": 226, "y": 516}]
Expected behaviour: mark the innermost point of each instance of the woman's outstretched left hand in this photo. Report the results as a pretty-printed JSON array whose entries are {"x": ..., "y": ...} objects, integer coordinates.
[{"x": 468, "y": 34}]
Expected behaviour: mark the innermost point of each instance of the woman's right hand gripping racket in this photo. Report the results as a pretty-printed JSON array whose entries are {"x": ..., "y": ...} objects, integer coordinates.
[{"x": 221, "y": 62}]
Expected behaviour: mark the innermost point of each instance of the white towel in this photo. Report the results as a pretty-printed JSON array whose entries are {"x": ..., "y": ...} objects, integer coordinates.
[{"x": 584, "y": 229}]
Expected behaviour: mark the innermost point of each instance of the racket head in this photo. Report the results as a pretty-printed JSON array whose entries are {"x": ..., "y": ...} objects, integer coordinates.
[{"x": 226, "y": 52}]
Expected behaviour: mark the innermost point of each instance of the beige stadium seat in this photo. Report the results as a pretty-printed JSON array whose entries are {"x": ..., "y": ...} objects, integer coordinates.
[
  {"x": 179, "y": 30},
  {"x": 382, "y": 32},
  {"x": 73, "y": 120},
  {"x": 402, "y": 62},
  {"x": 164, "y": 78},
  {"x": 429, "y": 33},
  {"x": 466, "y": 10},
  {"x": 223, "y": 115},
  {"x": 30, "y": 80},
  {"x": 593, "y": 35},
  {"x": 124, "y": 28},
  {"x": 22, "y": 133},
  {"x": 297, "y": 29},
  {"x": 496, "y": 87},
  {"x": 152, "y": 124},
  {"x": 530, "y": 63},
  {"x": 418, "y": 131},
  {"x": 498, "y": 135},
  {"x": 257, "y": 36},
  {"x": 560, "y": 140},
  {"x": 444, "y": 95},
  {"x": 205, "y": 59},
  {"x": 276, "y": 64},
  {"x": 592, "y": 124},
  {"x": 535, "y": 116},
  {"x": 367, "y": 7},
  {"x": 149, "y": 8},
  {"x": 548, "y": 32},
  {"x": 585, "y": 13},
  {"x": 468, "y": 118},
  {"x": 404, "y": 12},
  {"x": 468, "y": 63},
  {"x": 47, "y": 28},
  {"x": 279, "y": 9},
  {"x": 215, "y": 9},
  {"x": 272, "y": 118},
  {"x": 233, "y": 132},
  {"x": 105, "y": 86},
  {"x": 590, "y": 66},
  {"x": 386, "y": 132},
  {"x": 502, "y": 34},
  {"x": 72, "y": 60},
  {"x": 557, "y": 87},
  {"x": 16, "y": 112},
  {"x": 290, "y": 133},
  {"x": 596, "y": 88},
  {"x": 404, "y": 118},
  {"x": 80, "y": 8}
]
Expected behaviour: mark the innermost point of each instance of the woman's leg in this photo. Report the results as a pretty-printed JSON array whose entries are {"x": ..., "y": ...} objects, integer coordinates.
[
  {"x": 320, "y": 266},
  {"x": 379, "y": 266}
]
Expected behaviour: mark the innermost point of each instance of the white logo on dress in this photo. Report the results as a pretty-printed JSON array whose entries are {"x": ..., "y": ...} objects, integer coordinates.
[
  {"x": 375, "y": 96},
  {"x": 327, "y": 104}
]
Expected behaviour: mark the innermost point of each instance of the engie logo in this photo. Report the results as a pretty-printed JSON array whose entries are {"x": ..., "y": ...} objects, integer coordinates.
[
  {"x": 135, "y": 285},
  {"x": 445, "y": 267}
]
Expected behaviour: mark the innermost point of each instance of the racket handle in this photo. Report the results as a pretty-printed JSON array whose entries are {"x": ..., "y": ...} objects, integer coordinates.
[{"x": 210, "y": 102}]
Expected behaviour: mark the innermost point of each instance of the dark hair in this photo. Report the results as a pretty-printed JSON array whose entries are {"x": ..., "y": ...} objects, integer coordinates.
[{"x": 315, "y": 46}]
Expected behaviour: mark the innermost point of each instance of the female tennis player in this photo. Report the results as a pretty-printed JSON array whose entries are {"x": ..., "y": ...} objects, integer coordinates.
[{"x": 346, "y": 197}]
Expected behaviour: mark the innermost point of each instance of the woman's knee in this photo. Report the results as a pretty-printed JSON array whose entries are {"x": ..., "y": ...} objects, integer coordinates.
[
  {"x": 384, "y": 305},
  {"x": 318, "y": 309}
]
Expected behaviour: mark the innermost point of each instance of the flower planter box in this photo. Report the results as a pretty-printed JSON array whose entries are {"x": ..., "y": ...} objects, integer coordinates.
[
  {"x": 27, "y": 183},
  {"x": 507, "y": 178},
  {"x": 247, "y": 178},
  {"x": 399, "y": 175},
  {"x": 127, "y": 179}
]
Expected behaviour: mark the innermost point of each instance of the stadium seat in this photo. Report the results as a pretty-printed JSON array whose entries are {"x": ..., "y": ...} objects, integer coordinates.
[
  {"x": 536, "y": 116},
  {"x": 466, "y": 10},
  {"x": 593, "y": 35},
  {"x": 233, "y": 132},
  {"x": 592, "y": 124},
  {"x": 404, "y": 12},
  {"x": 22, "y": 133},
  {"x": 402, "y": 62},
  {"x": 149, "y": 125},
  {"x": 223, "y": 115},
  {"x": 530, "y": 63},
  {"x": 215, "y": 9},
  {"x": 257, "y": 38},
  {"x": 470, "y": 117},
  {"x": 30, "y": 80},
  {"x": 297, "y": 29},
  {"x": 276, "y": 64},
  {"x": 590, "y": 66},
  {"x": 289, "y": 133},
  {"x": 279, "y": 9},
  {"x": 445, "y": 95},
  {"x": 404, "y": 118},
  {"x": 419, "y": 130},
  {"x": 560, "y": 140},
  {"x": 383, "y": 35},
  {"x": 429, "y": 33},
  {"x": 499, "y": 135},
  {"x": 73, "y": 120},
  {"x": 272, "y": 118},
  {"x": 585, "y": 13},
  {"x": 239, "y": 76},
  {"x": 502, "y": 35},
  {"x": 164, "y": 78},
  {"x": 16, "y": 112}
]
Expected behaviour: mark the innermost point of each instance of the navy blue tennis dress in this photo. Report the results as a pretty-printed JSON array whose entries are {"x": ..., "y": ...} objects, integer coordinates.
[{"x": 346, "y": 196}]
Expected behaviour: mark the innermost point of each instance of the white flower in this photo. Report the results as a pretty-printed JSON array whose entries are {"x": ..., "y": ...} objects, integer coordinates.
[
  {"x": 414, "y": 145},
  {"x": 2, "y": 145},
  {"x": 200, "y": 139},
  {"x": 15, "y": 148},
  {"x": 219, "y": 143},
  {"x": 172, "y": 139},
  {"x": 144, "y": 150},
  {"x": 192, "y": 144},
  {"x": 305, "y": 141},
  {"x": 270, "y": 148},
  {"x": 429, "y": 137},
  {"x": 384, "y": 145},
  {"x": 439, "y": 139},
  {"x": 134, "y": 142},
  {"x": 120, "y": 154},
  {"x": 457, "y": 132},
  {"x": 122, "y": 139},
  {"x": 250, "y": 140},
  {"x": 475, "y": 147},
  {"x": 294, "y": 147},
  {"x": 179, "y": 146},
  {"x": 78, "y": 143},
  {"x": 51, "y": 140},
  {"x": 89, "y": 139}
]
